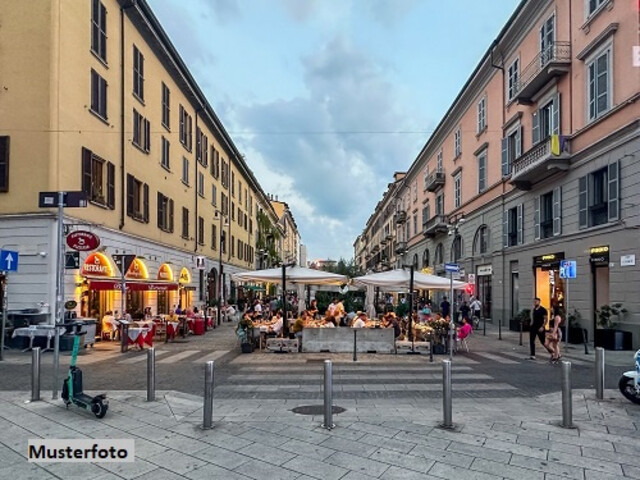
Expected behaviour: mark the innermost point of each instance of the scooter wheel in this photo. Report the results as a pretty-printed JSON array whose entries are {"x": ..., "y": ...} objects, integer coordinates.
[
  {"x": 99, "y": 409},
  {"x": 628, "y": 389}
]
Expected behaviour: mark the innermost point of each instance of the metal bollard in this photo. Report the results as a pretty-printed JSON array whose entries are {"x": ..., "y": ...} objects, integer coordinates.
[
  {"x": 431, "y": 347},
  {"x": 521, "y": 328},
  {"x": 500, "y": 329},
  {"x": 446, "y": 394},
  {"x": 599, "y": 373},
  {"x": 484, "y": 326},
  {"x": 207, "y": 422},
  {"x": 35, "y": 374},
  {"x": 355, "y": 345},
  {"x": 585, "y": 340},
  {"x": 450, "y": 340},
  {"x": 151, "y": 374},
  {"x": 567, "y": 411},
  {"x": 328, "y": 395}
]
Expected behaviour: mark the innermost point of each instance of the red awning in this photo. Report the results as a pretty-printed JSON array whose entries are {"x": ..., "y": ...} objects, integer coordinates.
[{"x": 133, "y": 286}]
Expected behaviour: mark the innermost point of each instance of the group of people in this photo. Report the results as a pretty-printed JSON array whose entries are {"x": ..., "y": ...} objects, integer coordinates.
[{"x": 549, "y": 334}]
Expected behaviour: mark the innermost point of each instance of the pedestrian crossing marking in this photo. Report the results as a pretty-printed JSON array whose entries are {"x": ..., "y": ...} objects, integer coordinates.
[
  {"x": 496, "y": 358},
  {"x": 141, "y": 358},
  {"x": 178, "y": 356},
  {"x": 211, "y": 356}
]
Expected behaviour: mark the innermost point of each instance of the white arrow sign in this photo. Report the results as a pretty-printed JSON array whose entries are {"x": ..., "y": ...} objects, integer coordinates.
[{"x": 8, "y": 260}]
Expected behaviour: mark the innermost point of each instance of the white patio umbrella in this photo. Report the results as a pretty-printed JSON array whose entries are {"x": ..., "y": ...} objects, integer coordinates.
[
  {"x": 401, "y": 278},
  {"x": 295, "y": 274}
]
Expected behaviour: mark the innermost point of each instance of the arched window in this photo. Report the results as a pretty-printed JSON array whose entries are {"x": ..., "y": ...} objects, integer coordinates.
[
  {"x": 415, "y": 261},
  {"x": 425, "y": 258},
  {"x": 439, "y": 256},
  {"x": 481, "y": 241},
  {"x": 456, "y": 249}
]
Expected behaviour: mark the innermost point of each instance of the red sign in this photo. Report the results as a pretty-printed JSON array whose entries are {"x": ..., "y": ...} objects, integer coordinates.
[
  {"x": 133, "y": 286},
  {"x": 83, "y": 241},
  {"x": 97, "y": 265}
]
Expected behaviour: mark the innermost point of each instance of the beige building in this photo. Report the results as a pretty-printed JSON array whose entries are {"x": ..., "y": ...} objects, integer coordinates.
[
  {"x": 95, "y": 98},
  {"x": 535, "y": 162},
  {"x": 290, "y": 246}
]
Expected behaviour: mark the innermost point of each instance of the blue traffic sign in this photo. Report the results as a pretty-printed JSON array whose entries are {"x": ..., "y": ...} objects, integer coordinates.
[
  {"x": 8, "y": 260},
  {"x": 568, "y": 269},
  {"x": 451, "y": 267}
]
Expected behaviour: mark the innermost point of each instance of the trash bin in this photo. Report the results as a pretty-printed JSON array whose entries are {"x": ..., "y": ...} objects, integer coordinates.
[{"x": 89, "y": 326}]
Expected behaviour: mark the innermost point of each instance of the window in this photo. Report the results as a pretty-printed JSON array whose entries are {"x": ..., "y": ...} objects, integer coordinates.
[
  {"x": 482, "y": 171},
  {"x": 599, "y": 84},
  {"x": 98, "y": 95},
  {"x": 415, "y": 224},
  {"x": 599, "y": 196},
  {"x": 233, "y": 247},
  {"x": 225, "y": 174},
  {"x": 425, "y": 258},
  {"x": 233, "y": 184},
  {"x": 201, "y": 184},
  {"x": 214, "y": 237},
  {"x": 165, "y": 153},
  {"x": 511, "y": 149},
  {"x": 4, "y": 164},
  {"x": 202, "y": 148},
  {"x": 233, "y": 211},
  {"x": 214, "y": 195},
  {"x": 425, "y": 177},
  {"x": 215, "y": 163},
  {"x": 137, "y": 199},
  {"x": 185, "y": 129},
  {"x": 98, "y": 176},
  {"x": 512, "y": 229},
  {"x": 547, "y": 36},
  {"x": 185, "y": 170},
  {"x": 141, "y": 132},
  {"x": 439, "y": 255},
  {"x": 185, "y": 223},
  {"x": 546, "y": 121},
  {"x": 166, "y": 106},
  {"x": 513, "y": 76},
  {"x": 457, "y": 249},
  {"x": 439, "y": 161},
  {"x": 415, "y": 191},
  {"x": 425, "y": 215},
  {"x": 457, "y": 190},
  {"x": 239, "y": 249},
  {"x": 457, "y": 143},
  {"x": 201, "y": 230},
  {"x": 223, "y": 241},
  {"x": 481, "y": 241},
  {"x": 138, "y": 73},
  {"x": 165, "y": 213},
  {"x": 440, "y": 204},
  {"x": 482, "y": 114},
  {"x": 224, "y": 204},
  {"x": 594, "y": 5},
  {"x": 99, "y": 30}
]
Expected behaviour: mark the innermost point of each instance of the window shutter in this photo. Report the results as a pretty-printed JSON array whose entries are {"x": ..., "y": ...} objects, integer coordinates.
[
  {"x": 160, "y": 211},
  {"x": 505, "y": 228},
  {"x": 505, "y": 157},
  {"x": 4, "y": 164},
  {"x": 111, "y": 185},
  {"x": 614, "y": 191},
  {"x": 557, "y": 211},
  {"x": 147, "y": 135},
  {"x": 535, "y": 131},
  {"x": 520, "y": 224},
  {"x": 170, "y": 203},
  {"x": 536, "y": 218},
  {"x": 145, "y": 205},
  {"x": 555, "y": 115},
  {"x": 583, "y": 203},
  {"x": 86, "y": 171},
  {"x": 518, "y": 140},
  {"x": 130, "y": 182}
]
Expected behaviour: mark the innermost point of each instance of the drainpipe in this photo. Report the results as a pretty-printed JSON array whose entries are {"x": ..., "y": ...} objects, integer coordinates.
[
  {"x": 122, "y": 128},
  {"x": 195, "y": 181}
]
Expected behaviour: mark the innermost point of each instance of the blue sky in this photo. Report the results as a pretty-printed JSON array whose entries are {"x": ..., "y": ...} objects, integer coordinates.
[{"x": 327, "y": 98}]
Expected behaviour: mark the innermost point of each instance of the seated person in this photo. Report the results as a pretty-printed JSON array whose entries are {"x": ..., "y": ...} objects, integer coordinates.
[
  {"x": 299, "y": 324},
  {"x": 360, "y": 320},
  {"x": 313, "y": 308},
  {"x": 465, "y": 330},
  {"x": 391, "y": 321},
  {"x": 329, "y": 322}
]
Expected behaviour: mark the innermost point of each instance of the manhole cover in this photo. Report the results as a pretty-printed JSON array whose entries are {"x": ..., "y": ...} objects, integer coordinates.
[{"x": 316, "y": 409}]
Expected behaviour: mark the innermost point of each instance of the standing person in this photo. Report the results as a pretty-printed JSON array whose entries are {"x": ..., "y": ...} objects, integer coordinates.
[
  {"x": 257, "y": 307},
  {"x": 554, "y": 335},
  {"x": 464, "y": 310},
  {"x": 538, "y": 320},
  {"x": 445, "y": 308},
  {"x": 476, "y": 306}
]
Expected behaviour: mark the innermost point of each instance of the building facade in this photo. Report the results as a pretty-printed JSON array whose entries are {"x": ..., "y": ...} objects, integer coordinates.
[
  {"x": 536, "y": 162},
  {"x": 96, "y": 99},
  {"x": 290, "y": 236}
]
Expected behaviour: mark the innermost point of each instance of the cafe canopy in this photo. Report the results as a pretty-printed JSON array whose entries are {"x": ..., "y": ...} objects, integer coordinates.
[
  {"x": 293, "y": 274},
  {"x": 401, "y": 278}
]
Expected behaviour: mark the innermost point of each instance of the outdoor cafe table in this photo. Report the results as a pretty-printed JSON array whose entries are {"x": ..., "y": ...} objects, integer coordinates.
[
  {"x": 139, "y": 336},
  {"x": 172, "y": 330},
  {"x": 36, "y": 331}
]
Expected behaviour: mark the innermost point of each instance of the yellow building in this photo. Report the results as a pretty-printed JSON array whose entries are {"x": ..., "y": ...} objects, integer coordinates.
[
  {"x": 290, "y": 235},
  {"x": 95, "y": 98}
]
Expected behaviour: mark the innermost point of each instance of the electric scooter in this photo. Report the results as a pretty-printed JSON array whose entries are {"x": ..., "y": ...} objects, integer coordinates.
[
  {"x": 72, "y": 385},
  {"x": 629, "y": 382}
]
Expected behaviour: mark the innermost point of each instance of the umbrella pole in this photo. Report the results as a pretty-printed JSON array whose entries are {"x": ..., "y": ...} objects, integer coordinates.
[
  {"x": 413, "y": 340},
  {"x": 285, "y": 326}
]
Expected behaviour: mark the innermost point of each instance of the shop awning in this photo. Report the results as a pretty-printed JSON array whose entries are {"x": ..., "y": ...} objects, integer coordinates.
[{"x": 133, "y": 286}]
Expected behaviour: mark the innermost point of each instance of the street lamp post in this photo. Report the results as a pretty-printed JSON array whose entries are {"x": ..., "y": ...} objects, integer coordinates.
[
  {"x": 220, "y": 275},
  {"x": 455, "y": 221}
]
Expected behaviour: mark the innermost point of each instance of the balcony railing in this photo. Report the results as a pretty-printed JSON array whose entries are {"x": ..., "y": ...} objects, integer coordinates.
[
  {"x": 434, "y": 181},
  {"x": 401, "y": 247},
  {"x": 435, "y": 225},
  {"x": 553, "y": 61},
  {"x": 540, "y": 162}
]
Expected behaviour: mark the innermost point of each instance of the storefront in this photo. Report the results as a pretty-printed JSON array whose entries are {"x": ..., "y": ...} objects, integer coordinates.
[
  {"x": 549, "y": 287},
  {"x": 96, "y": 302},
  {"x": 166, "y": 299},
  {"x": 599, "y": 260},
  {"x": 484, "y": 274},
  {"x": 186, "y": 289}
]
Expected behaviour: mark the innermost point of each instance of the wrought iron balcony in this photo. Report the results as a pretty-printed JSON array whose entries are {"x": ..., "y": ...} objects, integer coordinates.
[
  {"x": 553, "y": 61},
  {"x": 540, "y": 162},
  {"x": 401, "y": 217},
  {"x": 434, "y": 181},
  {"x": 435, "y": 226},
  {"x": 401, "y": 247}
]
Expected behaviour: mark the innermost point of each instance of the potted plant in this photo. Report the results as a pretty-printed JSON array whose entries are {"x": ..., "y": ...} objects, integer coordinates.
[
  {"x": 523, "y": 316},
  {"x": 577, "y": 334},
  {"x": 607, "y": 335}
]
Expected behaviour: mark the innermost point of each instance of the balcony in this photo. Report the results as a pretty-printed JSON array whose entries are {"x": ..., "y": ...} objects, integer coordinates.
[
  {"x": 401, "y": 217},
  {"x": 401, "y": 247},
  {"x": 389, "y": 237},
  {"x": 539, "y": 163},
  {"x": 435, "y": 226},
  {"x": 554, "y": 61},
  {"x": 434, "y": 181}
]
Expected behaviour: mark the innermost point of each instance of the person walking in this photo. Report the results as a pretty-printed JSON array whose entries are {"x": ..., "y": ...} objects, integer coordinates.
[
  {"x": 554, "y": 335},
  {"x": 476, "y": 306},
  {"x": 445, "y": 308},
  {"x": 538, "y": 321}
]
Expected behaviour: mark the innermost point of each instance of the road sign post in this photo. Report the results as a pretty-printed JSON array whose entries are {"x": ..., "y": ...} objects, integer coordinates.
[{"x": 568, "y": 270}]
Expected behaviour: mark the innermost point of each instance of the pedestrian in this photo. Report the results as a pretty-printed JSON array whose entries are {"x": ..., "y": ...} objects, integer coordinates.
[
  {"x": 476, "y": 306},
  {"x": 464, "y": 310},
  {"x": 553, "y": 337},
  {"x": 538, "y": 321},
  {"x": 445, "y": 307}
]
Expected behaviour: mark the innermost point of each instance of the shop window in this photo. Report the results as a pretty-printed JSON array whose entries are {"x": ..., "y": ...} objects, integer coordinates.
[
  {"x": 599, "y": 196},
  {"x": 98, "y": 177},
  {"x": 548, "y": 210},
  {"x": 512, "y": 228},
  {"x": 137, "y": 199},
  {"x": 165, "y": 213},
  {"x": 481, "y": 241}
]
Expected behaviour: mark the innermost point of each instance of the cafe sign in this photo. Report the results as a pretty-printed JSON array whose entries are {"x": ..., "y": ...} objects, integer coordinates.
[
  {"x": 97, "y": 265},
  {"x": 185, "y": 276},
  {"x": 137, "y": 270},
  {"x": 599, "y": 255},
  {"x": 82, "y": 241},
  {"x": 165, "y": 273},
  {"x": 548, "y": 261}
]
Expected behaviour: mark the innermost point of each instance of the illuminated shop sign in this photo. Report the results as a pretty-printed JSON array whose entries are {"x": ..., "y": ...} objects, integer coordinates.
[
  {"x": 599, "y": 255},
  {"x": 548, "y": 261}
]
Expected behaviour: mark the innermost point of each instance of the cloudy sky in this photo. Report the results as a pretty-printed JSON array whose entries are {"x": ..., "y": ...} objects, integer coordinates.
[{"x": 327, "y": 98}]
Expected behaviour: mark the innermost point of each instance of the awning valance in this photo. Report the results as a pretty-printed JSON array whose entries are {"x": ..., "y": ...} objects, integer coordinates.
[{"x": 132, "y": 286}]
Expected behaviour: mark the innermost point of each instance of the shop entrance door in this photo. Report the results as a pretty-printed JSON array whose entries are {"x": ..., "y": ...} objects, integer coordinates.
[
  {"x": 484, "y": 295},
  {"x": 600, "y": 289},
  {"x": 550, "y": 288},
  {"x": 515, "y": 294}
]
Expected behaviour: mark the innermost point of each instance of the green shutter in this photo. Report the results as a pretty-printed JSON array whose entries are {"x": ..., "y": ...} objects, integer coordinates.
[
  {"x": 583, "y": 203},
  {"x": 614, "y": 191}
]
